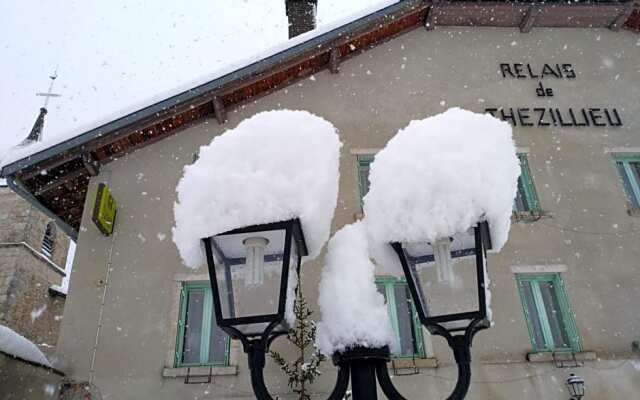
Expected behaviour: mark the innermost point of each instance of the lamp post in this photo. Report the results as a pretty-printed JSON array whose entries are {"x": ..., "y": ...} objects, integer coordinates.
[
  {"x": 575, "y": 384},
  {"x": 447, "y": 282},
  {"x": 253, "y": 285},
  {"x": 253, "y": 280}
]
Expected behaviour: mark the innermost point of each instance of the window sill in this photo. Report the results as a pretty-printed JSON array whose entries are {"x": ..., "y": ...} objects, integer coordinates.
[
  {"x": 527, "y": 216},
  {"x": 548, "y": 356},
  {"x": 199, "y": 371},
  {"x": 402, "y": 363},
  {"x": 634, "y": 212}
]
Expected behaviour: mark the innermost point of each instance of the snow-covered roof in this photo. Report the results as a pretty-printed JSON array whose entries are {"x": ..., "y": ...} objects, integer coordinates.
[
  {"x": 16, "y": 345},
  {"x": 23, "y": 156}
]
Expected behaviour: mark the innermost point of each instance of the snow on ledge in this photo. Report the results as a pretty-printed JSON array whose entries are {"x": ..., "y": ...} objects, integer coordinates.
[
  {"x": 18, "y": 346},
  {"x": 274, "y": 166},
  {"x": 441, "y": 175}
]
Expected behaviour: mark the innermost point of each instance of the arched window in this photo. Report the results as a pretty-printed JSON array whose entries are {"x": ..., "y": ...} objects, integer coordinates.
[{"x": 49, "y": 240}]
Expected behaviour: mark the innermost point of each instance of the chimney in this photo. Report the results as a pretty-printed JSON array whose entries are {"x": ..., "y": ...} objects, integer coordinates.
[{"x": 302, "y": 16}]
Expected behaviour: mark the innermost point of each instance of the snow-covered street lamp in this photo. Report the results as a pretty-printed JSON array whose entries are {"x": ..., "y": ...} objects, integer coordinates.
[
  {"x": 253, "y": 273},
  {"x": 455, "y": 308}
]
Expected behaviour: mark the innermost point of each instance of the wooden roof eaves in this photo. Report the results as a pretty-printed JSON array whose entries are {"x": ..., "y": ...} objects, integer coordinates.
[{"x": 184, "y": 97}]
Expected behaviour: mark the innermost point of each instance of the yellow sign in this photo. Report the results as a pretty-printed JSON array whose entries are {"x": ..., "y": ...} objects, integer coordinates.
[{"x": 104, "y": 210}]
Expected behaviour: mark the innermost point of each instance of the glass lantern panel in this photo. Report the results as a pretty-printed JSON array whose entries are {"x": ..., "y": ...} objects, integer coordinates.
[
  {"x": 248, "y": 269},
  {"x": 445, "y": 274}
]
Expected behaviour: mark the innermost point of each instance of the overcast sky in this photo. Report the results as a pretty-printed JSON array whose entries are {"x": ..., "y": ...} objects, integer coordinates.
[{"x": 112, "y": 55}]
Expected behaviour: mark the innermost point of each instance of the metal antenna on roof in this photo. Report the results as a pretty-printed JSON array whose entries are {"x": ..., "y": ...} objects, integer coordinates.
[{"x": 36, "y": 132}]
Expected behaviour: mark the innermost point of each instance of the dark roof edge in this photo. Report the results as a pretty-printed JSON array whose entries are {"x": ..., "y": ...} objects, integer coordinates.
[
  {"x": 193, "y": 93},
  {"x": 25, "y": 194}
]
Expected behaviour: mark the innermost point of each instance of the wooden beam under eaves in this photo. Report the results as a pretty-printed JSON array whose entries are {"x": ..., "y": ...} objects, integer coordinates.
[
  {"x": 529, "y": 19},
  {"x": 622, "y": 18},
  {"x": 429, "y": 21},
  {"x": 334, "y": 60},
  {"x": 90, "y": 164},
  {"x": 60, "y": 181},
  {"x": 219, "y": 110}
]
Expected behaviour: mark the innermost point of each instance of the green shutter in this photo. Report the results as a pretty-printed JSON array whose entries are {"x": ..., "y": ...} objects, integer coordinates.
[
  {"x": 539, "y": 316},
  {"x": 627, "y": 166},
  {"x": 363, "y": 162},
  {"x": 387, "y": 286},
  {"x": 206, "y": 332},
  {"x": 526, "y": 188}
]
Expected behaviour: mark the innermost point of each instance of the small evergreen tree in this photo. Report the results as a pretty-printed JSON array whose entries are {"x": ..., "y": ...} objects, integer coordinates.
[{"x": 301, "y": 371}]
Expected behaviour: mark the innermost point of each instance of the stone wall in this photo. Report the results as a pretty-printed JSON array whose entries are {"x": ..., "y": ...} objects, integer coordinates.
[
  {"x": 26, "y": 304},
  {"x": 22, "y": 380}
]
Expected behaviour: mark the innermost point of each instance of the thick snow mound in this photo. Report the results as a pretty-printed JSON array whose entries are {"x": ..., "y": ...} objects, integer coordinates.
[
  {"x": 274, "y": 166},
  {"x": 440, "y": 176},
  {"x": 17, "y": 345},
  {"x": 353, "y": 312}
]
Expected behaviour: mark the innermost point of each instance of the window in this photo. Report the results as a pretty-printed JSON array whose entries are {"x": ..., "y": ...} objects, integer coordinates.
[
  {"x": 364, "y": 160},
  {"x": 526, "y": 201},
  {"x": 403, "y": 316},
  {"x": 49, "y": 240},
  {"x": 546, "y": 309},
  {"x": 200, "y": 341},
  {"x": 629, "y": 170}
]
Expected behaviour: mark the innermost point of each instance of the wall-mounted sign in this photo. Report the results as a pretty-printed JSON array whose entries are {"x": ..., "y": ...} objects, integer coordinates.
[
  {"x": 550, "y": 116},
  {"x": 104, "y": 210}
]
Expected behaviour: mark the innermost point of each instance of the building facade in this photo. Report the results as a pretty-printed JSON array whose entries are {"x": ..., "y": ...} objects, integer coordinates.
[
  {"x": 565, "y": 287},
  {"x": 33, "y": 252}
]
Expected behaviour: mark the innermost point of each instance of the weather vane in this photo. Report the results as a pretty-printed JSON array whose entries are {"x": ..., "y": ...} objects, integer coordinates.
[{"x": 49, "y": 93}]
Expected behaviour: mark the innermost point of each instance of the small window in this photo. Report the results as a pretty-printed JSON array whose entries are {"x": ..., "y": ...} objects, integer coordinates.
[
  {"x": 49, "y": 240},
  {"x": 526, "y": 201},
  {"x": 403, "y": 317},
  {"x": 364, "y": 160},
  {"x": 546, "y": 309},
  {"x": 629, "y": 170},
  {"x": 200, "y": 340}
]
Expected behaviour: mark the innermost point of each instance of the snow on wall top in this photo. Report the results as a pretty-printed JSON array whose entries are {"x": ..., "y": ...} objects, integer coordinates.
[
  {"x": 353, "y": 311},
  {"x": 17, "y": 345},
  {"x": 274, "y": 166},
  {"x": 440, "y": 176}
]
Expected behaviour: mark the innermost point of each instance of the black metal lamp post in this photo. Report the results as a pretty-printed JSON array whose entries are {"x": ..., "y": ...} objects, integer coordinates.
[
  {"x": 252, "y": 265},
  {"x": 447, "y": 282},
  {"x": 575, "y": 384},
  {"x": 254, "y": 287}
]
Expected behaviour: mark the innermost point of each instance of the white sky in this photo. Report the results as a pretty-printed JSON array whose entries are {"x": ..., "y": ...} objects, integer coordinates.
[{"x": 114, "y": 54}]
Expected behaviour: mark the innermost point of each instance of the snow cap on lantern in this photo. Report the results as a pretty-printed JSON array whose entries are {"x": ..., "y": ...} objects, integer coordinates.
[
  {"x": 275, "y": 166},
  {"x": 440, "y": 176}
]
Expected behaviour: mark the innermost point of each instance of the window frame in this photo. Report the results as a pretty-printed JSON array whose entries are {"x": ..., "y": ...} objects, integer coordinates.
[
  {"x": 525, "y": 180},
  {"x": 205, "y": 335},
  {"x": 362, "y": 161},
  {"x": 568, "y": 319},
  {"x": 48, "y": 244},
  {"x": 632, "y": 195},
  {"x": 390, "y": 283}
]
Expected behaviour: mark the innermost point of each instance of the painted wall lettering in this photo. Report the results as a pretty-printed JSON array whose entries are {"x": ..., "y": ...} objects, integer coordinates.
[{"x": 550, "y": 116}]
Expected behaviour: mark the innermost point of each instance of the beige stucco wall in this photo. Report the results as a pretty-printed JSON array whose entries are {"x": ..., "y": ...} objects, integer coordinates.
[{"x": 587, "y": 229}]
